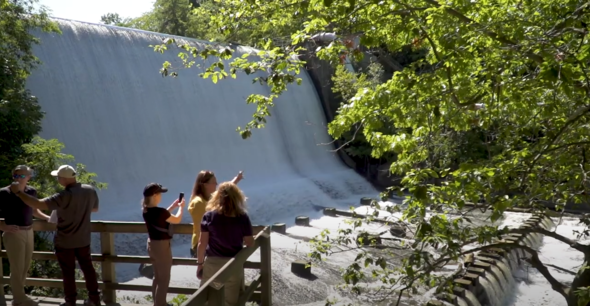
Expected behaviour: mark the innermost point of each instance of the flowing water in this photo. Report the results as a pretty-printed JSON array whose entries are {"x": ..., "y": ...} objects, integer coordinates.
[{"x": 471, "y": 298}]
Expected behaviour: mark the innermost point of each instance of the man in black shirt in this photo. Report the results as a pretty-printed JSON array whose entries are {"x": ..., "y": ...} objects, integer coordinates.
[{"x": 18, "y": 233}]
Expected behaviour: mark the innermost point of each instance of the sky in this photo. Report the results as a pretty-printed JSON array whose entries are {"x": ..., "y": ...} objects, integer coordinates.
[{"x": 91, "y": 10}]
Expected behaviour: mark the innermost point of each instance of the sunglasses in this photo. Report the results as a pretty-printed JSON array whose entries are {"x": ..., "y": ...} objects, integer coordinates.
[{"x": 19, "y": 176}]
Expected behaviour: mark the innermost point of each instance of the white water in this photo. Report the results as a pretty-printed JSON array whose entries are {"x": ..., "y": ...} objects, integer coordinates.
[
  {"x": 106, "y": 101},
  {"x": 471, "y": 298},
  {"x": 532, "y": 288}
]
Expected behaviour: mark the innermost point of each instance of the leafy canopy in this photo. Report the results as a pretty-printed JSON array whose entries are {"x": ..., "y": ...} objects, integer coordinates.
[
  {"x": 512, "y": 73},
  {"x": 20, "y": 114}
]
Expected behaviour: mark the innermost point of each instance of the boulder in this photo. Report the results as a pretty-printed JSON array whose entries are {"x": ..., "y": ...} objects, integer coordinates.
[
  {"x": 146, "y": 270},
  {"x": 301, "y": 268}
]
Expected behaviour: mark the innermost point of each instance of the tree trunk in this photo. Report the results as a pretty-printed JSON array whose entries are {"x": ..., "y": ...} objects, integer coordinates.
[{"x": 582, "y": 279}]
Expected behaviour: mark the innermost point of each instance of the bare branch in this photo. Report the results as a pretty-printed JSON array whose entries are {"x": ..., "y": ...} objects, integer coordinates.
[
  {"x": 573, "y": 244},
  {"x": 561, "y": 269}
]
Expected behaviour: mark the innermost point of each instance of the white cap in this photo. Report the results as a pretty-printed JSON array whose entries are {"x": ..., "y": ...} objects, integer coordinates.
[{"x": 64, "y": 171}]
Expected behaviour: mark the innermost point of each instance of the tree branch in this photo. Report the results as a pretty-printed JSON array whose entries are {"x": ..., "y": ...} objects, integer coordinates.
[
  {"x": 573, "y": 244},
  {"x": 561, "y": 269},
  {"x": 579, "y": 113},
  {"x": 577, "y": 143},
  {"x": 498, "y": 37}
]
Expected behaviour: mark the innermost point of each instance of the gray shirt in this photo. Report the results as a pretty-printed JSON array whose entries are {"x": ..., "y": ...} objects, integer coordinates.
[{"x": 74, "y": 206}]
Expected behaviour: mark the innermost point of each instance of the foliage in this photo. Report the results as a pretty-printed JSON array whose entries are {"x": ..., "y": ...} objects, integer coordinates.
[
  {"x": 20, "y": 114},
  {"x": 347, "y": 84},
  {"x": 174, "y": 17},
  {"x": 512, "y": 73},
  {"x": 115, "y": 19},
  {"x": 46, "y": 155},
  {"x": 179, "y": 300}
]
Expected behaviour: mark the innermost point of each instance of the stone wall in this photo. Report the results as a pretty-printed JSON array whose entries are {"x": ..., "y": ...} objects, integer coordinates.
[{"x": 489, "y": 276}]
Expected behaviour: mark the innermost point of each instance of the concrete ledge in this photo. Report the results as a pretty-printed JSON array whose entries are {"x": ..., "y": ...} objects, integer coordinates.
[{"x": 494, "y": 265}]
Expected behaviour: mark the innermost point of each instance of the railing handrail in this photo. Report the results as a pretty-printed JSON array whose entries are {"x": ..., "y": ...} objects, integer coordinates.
[
  {"x": 200, "y": 297},
  {"x": 121, "y": 227},
  {"x": 107, "y": 258}
]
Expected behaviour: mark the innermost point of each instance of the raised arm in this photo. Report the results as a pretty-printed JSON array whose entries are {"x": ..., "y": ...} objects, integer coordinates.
[
  {"x": 32, "y": 201},
  {"x": 173, "y": 205},
  {"x": 238, "y": 178},
  {"x": 175, "y": 219},
  {"x": 37, "y": 213}
]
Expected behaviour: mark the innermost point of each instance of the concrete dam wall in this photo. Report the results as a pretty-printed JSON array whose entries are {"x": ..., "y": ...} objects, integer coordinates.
[{"x": 105, "y": 99}]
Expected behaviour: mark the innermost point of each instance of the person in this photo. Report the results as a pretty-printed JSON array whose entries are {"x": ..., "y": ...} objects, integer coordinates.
[
  {"x": 74, "y": 205},
  {"x": 158, "y": 220},
  {"x": 204, "y": 186},
  {"x": 18, "y": 233},
  {"x": 225, "y": 228}
]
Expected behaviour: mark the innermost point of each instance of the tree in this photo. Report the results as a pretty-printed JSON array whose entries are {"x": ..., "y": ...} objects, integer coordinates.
[
  {"x": 115, "y": 19},
  {"x": 20, "y": 114},
  {"x": 513, "y": 72},
  {"x": 168, "y": 17}
]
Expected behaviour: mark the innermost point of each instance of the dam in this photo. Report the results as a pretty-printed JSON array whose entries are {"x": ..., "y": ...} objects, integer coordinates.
[{"x": 105, "y": 99}]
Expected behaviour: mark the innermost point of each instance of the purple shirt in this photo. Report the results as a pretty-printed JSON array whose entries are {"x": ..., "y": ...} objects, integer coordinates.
[
  {"x": 14, "y": 210},
  {"x": 226, "y": 234}
]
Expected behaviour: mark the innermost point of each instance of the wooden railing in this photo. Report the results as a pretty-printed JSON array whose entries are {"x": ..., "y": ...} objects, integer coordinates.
[{"x": 259, "y": 290}]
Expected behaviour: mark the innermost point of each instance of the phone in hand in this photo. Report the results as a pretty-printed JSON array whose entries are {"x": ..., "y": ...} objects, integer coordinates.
[
  {"x": 180, "y": 197},
  {"x": 200, "y": 274}
]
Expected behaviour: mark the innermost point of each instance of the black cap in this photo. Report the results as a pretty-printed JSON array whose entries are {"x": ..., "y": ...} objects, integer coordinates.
[{"x": 153, "y": 188}]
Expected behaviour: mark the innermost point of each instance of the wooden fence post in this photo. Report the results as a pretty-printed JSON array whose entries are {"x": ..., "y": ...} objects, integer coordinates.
[
  {"x": 265, "y": 270},
  {"x": 216, "y": 295},
  {"x": 1, "y": 276},
  {"x": 107, "y": 245}
]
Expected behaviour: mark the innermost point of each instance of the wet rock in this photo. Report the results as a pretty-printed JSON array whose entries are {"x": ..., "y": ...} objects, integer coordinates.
[
  {"x": 301, "y": 268},
  {"x": 146, "y": 270},
  {"x": 366, "y": 201},
  {"x": 367, "y": 239},
  {"x": 398, "y": 231},
  {"x": 330, "y": 212}
]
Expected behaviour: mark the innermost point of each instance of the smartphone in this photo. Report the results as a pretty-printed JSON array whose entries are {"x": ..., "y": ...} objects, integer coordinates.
[
  {"x": 180, "y": 197},
  {"x": 200, "y": 274}
]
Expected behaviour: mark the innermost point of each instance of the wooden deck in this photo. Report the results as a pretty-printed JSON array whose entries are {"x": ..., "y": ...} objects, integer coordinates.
[{"x": 45, "y": 301}]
